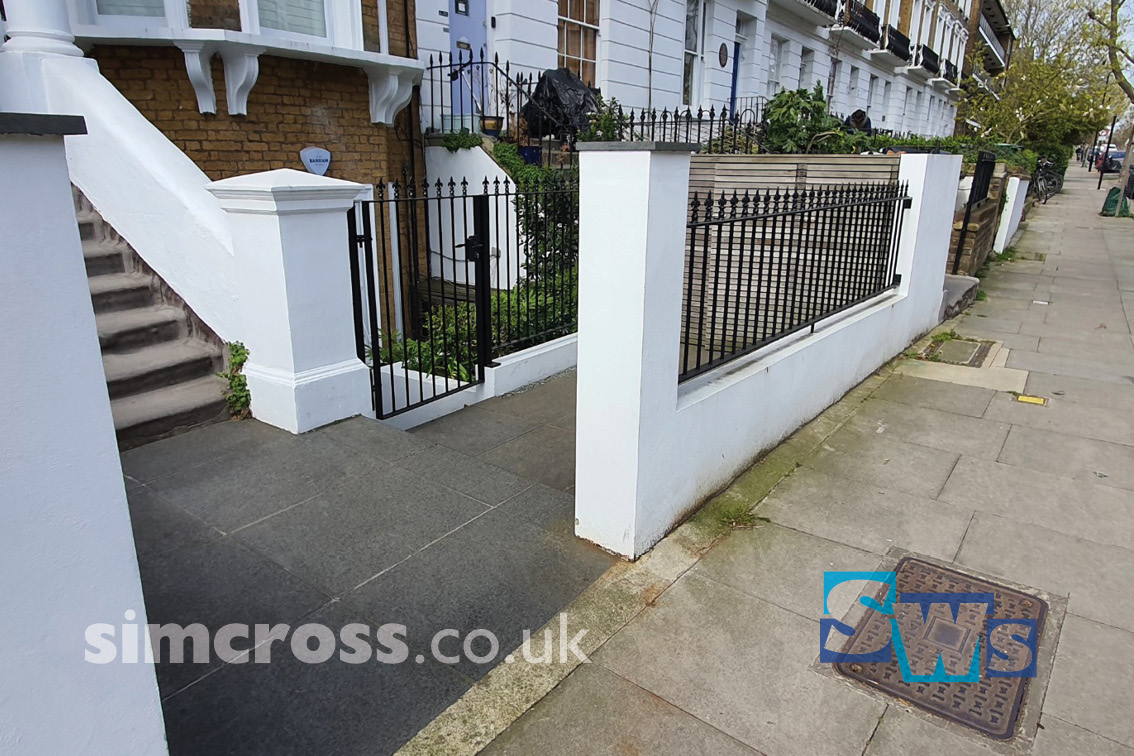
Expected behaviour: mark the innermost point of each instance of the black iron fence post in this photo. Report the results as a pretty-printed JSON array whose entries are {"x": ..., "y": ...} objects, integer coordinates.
[
  {"x": 480, "y": 246},
  {"x": 982, "y": 177}
]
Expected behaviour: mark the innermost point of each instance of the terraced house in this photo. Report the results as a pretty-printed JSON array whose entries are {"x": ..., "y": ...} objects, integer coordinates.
[
  {"x": 178, "y": 93},
  {"x": 898, "y": 60}
]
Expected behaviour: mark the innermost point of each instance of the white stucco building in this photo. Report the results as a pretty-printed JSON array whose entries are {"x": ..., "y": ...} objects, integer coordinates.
[{"x": 895, "y": 59}]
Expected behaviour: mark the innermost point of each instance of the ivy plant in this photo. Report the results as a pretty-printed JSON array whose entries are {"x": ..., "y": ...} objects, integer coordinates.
[{"x": 236, "y": 393}]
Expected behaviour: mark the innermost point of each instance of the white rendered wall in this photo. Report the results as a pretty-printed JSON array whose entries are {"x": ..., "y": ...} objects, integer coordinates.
[
  {"x": 451, "y": 224},
  {"x": 66, "y": 551},
  {"x": 648, "y": 452},
  {"x": 1015, "y": 198}
]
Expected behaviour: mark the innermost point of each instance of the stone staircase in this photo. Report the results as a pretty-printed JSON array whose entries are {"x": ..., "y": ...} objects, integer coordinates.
[{"x": 160, "y": 359}]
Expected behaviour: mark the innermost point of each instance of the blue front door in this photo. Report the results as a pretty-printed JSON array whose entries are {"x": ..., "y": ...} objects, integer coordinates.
[{"x": 468, "y": 35}]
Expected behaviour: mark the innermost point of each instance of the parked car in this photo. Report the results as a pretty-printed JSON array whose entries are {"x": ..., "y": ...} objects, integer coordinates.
[{"x": 1113, "y": 160}]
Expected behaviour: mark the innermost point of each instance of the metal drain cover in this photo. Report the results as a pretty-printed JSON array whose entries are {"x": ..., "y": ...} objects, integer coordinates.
[
  {"x": 961, "y": 352},
  {"x": 990, "y": 705}
]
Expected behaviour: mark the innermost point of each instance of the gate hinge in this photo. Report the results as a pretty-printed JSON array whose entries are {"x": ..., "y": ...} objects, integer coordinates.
[{"x": 360, "y": 238}]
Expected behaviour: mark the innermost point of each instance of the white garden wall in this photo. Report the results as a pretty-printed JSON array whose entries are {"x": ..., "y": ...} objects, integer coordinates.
[
  {"x": 66, "y": 551},
  {"x": 1015, "y": 199},
  {"x": 649, "y": 451},
  {"x": 452, "y": 222}
]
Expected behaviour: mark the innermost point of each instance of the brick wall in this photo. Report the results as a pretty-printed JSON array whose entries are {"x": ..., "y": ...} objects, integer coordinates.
[
  {"x": 215, "y": 14},
  {"x": 294, "y": 104}
]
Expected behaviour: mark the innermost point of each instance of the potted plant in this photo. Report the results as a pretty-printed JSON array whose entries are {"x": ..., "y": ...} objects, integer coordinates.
[{"x": 491, "y": 125}]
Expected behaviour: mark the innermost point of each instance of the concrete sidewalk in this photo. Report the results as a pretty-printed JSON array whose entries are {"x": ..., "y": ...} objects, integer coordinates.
[{"x": 723, "y": 660}]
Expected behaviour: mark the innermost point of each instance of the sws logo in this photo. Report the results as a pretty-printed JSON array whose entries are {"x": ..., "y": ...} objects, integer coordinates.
[{"x": 895, "y": 647}]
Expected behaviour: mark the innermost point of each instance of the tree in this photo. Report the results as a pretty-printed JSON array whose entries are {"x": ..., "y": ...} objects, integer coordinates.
[
  {"x": 1111, "y": 23},
  {"x": 1050, "y": 30},
  {"x": 1038, "y": 101}
]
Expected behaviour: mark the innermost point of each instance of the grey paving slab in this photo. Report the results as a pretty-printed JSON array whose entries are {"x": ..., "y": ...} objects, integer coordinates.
[
  {"x": 471, "y": 476},
  {"x": 1070, "y": 456},
  {"x": 947, "y": 431},
  {"x": 884, "y": 460},
  {"x": 1069, "y": 366},
  {"x": 473, "y": 431},
  {"x": 976, "y": 324},
  {"x": 1058, "y": 738},
  {"x": 785, "y": 567},
  {"x": 1092, "y": 685},
  {"x": 1111, "y": 319},
  {"x": 1089, "y": 335},
  {"x": 290, "y": 707},
  {"x": 1075, "y": 269},
  {"x": 239, "y": 489},
  {"x": 594, "y": 711},
  {"x": 160, "y": 527},
  {"x": 216, "y": 584},
  {"x": 541, "y": 403},
  {"x": 339, "y": 539},
  {"x": 1113, "y": 396},
  {"x": 1117, "y": 350},
  {"x": 375, "y": 439},
  {"x": 1098, "y": 579},
  {"x": 1063, "y": 416},
  {"x": 546, "y": 455},
  {"x": 935, "y": 395},
  {"x": 498, "y": 573},
  {"x": 901, "y": 733},
  {"x": 544, "y": 508},
  {"x": 1002, "y": 308},
  {"x": 866, "y": 516},
  {"x": 566, "y": 422},
  {"x": 1085, "y": 510},
  {"x": 741, "y": 665},
  {"x": 234, "y": 440}
]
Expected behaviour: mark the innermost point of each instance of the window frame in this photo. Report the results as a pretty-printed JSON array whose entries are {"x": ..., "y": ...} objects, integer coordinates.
[
  {"x": 562, "y": 24},
  {"x": 693, "y": 74},
  {"x": 268, "y": 31}
]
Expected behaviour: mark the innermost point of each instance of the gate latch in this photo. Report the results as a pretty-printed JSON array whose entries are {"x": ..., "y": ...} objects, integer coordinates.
[{"x": 472, "y": 247}]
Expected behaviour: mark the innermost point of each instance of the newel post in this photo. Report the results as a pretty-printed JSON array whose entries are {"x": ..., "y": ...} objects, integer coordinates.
[
  {"x": 633, "y": 206},
  {"x": 289, "y": 232}
]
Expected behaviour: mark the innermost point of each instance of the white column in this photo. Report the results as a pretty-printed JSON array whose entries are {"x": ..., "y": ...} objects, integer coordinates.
[
  {"x": 67, "y": 558},
  {"x": 632, "y": 213},
  {"x": 289, "y": 232},
  {"x": 39, "y": 26}
]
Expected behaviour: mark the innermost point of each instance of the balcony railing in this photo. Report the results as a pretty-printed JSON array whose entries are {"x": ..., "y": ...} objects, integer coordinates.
[
  {"x": 928, "y": 59},
  {"x": 951, "y": 71},
  {"x": 991, "y": 40},
  {"x": 897, "y": 43},
  {"x": 864, "y": 21},
  {"x": 830, "y": 7}
]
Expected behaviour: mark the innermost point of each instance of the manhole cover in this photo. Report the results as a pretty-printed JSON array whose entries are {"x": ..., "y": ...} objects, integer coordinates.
[
  {"x": 960, "y": 352},
  {"x": 992, "y": 704}
]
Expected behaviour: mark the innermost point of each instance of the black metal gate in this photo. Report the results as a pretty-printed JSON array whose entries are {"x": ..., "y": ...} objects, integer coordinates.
[{"x": 447, "y": 279}]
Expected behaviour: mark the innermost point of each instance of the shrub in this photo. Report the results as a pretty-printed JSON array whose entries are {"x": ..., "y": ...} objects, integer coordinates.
[
  {"x": 461, "y": 140},
  {"x": 608, "y": 123},
  {"x": 236, "y": 393}
]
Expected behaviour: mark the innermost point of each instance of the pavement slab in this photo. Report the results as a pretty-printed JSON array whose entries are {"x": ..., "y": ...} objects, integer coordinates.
[
  {"x": 742, "y": 665},
  {"x": 1070, "y": 456},
  {"x": 1098, "y": 579},
  {"x": 1092, "y": 685}
]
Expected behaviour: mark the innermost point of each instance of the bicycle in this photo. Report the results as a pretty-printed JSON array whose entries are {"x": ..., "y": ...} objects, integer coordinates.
[{"x": 1046, "y": 182}]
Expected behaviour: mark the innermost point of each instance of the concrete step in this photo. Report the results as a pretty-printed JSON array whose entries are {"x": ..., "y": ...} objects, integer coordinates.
[
  {"x": 960, "y": 292},
  {"x": 120, "y": 291},
  {"x": 155, "y": 367},
  {"x": 89, "y": 224},
  {"x": 134, "y": 329},
  {"x": 166, "y": 411},
  {"x": 102, "y": 259}
]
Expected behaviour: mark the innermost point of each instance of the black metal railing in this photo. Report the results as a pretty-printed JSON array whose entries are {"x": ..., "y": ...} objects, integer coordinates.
[
  {"x": 951, "y": 71},
  {"x": 829, "y": 7},
  {"x": 978, "y": 192},
  {"x": 771, "y": 263},
  {"x": 863, "y": 20},
  {"x": 898, "y": 43},
  {"x": 717, "y": 131},
  {"x": 928, "y": 59},
  {"x": 449, "y": 276},
  {"x": 482, "y": 96}
]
